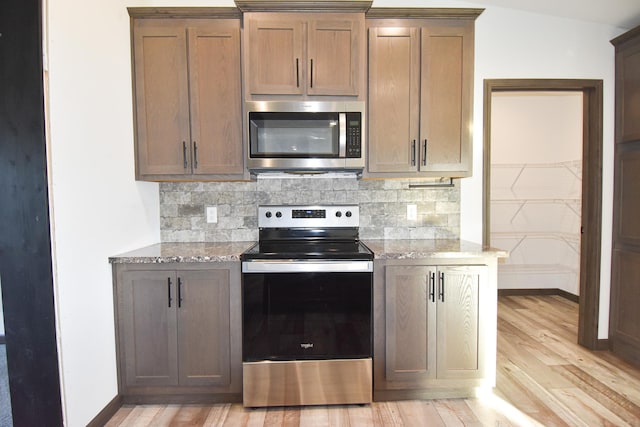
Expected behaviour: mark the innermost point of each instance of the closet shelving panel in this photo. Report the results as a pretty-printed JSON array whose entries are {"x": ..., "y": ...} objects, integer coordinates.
[{"x": 535, "y": 214}]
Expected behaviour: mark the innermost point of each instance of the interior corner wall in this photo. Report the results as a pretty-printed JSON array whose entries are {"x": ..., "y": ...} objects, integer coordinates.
[{"x": 100, "y": 210}]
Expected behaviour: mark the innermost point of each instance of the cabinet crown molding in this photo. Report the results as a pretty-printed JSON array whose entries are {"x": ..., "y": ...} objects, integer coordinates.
[
  {"x": 625, "y": 37},
  {"x": 184, "y": 12},
  {"x": 423, "y": 12},
  {"x": 304, "y": 5}
]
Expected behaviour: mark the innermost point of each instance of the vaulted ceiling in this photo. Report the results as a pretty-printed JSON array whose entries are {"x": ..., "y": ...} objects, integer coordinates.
[{"x": 617, "y": 13}]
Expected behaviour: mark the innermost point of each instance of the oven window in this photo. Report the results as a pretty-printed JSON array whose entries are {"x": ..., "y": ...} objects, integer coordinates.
[
  {"x": 290, "y": 316},
  {"x": 294, "y": 134}
]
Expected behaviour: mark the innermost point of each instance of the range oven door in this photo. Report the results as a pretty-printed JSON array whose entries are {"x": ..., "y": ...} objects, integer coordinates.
[{"x": 301, "y": 310}]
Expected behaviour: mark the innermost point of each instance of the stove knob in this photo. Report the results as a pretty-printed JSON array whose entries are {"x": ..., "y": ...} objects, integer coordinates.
[
  {"x": 278, "y": 214},
  {"x": 268, "y": 214},
  {"x": 338, "y": 214},
  {"x": 348, "y": 214}
]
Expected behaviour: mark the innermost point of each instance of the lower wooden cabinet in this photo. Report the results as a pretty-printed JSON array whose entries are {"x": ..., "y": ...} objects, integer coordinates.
[
  {"x": 433, "y": 326},
  {"x": 177, "y": 335}
]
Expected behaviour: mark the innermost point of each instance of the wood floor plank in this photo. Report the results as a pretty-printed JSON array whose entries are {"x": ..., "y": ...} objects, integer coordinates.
[
  {"x": 549, "y": 411},
  {"x": 386, "y": 414},
  {"x": 419, "y": 413},
  {"x": 508, "y": 332},
  {"x": 492, "y": 410},
  {"x": 217, "y": 415},
  {"x": 360, "y": 415},
  {"x": 591, "y": 412},
  {"x": 544, "y": 378},
  {"x": 612, "y": 400}
]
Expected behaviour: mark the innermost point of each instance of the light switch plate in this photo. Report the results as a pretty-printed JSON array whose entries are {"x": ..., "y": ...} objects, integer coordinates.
[
  {"x": 412, "y": 212},
  {"x": 212, "y": 214}
]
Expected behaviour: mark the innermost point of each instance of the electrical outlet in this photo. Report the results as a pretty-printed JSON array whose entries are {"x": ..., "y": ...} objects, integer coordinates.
[
  {"x": 212, "y": 214},
  {"x": 412, "y": 212}
]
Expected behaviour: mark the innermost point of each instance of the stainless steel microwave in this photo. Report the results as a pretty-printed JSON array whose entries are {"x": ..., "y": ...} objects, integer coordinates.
[{"x": 305, "y": 136}]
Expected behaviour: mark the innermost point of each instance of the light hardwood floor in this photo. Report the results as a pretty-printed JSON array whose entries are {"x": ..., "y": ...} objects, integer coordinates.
[{"x": 544, "y": 379}]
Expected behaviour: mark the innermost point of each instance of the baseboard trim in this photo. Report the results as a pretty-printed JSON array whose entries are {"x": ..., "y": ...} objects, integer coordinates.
[
  {"x": 2, "y": 339},
  {"x": 540, "y": 291},
  {"x": 107, "y": 413},
  {"x": 603, "y": 344}
]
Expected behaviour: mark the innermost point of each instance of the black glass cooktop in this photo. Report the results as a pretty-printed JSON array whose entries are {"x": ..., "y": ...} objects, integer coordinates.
[{"x": 284, "y": 249}]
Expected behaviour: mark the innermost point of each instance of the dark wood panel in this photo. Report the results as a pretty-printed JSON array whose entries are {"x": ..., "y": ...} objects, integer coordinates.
[
  {"x": 624, "y": 321},
  {"x": 627, "y": 190},
  {"x": 25, "y": 246},
  {"x": 628, "y": 90}
]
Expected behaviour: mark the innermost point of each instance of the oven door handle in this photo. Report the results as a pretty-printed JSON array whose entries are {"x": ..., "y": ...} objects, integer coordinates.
[{"x": 294, "y": 266}]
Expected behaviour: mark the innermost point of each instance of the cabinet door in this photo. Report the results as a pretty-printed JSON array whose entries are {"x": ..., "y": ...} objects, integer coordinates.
[
  {"x": 410, "y": 324},
  {"x": 276, "y": 56},
  {"x": 459, "y": 355},
  {"x": 394, "y": 88},
  {"x": 215, "y": 88},
  {"x": 203, "y": 327},
  {"x": 446, "y": 98},
  {"x": 161, "y": 98},
  {"x": 628, "y": 91},
  {"x": 334, "y": 56},
  {"x": 148, "y": 303}
]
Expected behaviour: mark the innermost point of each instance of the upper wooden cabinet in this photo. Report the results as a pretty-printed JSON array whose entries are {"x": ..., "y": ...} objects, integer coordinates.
[
  {"x": 187, "y": 98},
  {"x": 420, "y": 95},
  {"x": 304, "y": 54},
  {"x": 628, "y": 86}
]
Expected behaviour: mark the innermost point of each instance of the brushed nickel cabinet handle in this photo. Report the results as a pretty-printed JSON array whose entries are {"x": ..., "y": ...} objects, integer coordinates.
[
  {"x": 184, "y": 154},
  {"x": 195, "y": 155},
  {"x": 432, "y": 287},
  {"x": 441, "y": 288},
  {"x": 424, "y": 151},
  {"x": 413, "y": 153}
]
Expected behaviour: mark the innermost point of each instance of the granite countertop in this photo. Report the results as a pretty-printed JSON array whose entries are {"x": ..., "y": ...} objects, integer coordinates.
[
  {"x": 183, "y": 252},
  {"x": 430, "y": 248},
  {"x": 231, "y": 251}
]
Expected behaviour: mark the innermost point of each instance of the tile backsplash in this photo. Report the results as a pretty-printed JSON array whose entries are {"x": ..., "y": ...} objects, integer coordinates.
[{"x": 383, "y": 206}]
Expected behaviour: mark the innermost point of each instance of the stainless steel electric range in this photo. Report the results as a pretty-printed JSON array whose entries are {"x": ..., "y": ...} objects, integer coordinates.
[{"x": 307, "y": 309}]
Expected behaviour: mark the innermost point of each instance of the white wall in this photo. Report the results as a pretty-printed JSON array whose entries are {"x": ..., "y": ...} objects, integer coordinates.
[{"x": 99, "y": 210}]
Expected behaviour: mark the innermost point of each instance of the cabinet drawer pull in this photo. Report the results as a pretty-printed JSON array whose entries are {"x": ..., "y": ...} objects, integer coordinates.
[
  {"x": 413, "y": 153},
  {"x": 169, "y": 291},
  {"x": 179, "y": 292},
  {"x": 297, "y": 73},
  {"x": 195, "y": 155},
  {"x": 312, "y": 73},
  {"x": 424, "y": 152},
  {"x": 184, "y": 154},
  {"x": 432, "y": 287}
]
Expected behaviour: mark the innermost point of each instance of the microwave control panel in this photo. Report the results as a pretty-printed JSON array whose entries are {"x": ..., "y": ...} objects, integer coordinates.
[{"x": 354, "y": 144}]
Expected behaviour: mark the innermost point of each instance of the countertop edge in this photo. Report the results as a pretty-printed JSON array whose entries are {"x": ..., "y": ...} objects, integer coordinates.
[{"x": 384, "y": 249}]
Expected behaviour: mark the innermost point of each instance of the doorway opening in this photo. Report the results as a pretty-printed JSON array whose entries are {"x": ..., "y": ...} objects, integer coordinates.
[{"x": 588, "y": 244}]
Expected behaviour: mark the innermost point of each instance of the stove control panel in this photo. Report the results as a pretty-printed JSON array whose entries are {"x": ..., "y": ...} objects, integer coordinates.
[{"x": 295, "y": 216}]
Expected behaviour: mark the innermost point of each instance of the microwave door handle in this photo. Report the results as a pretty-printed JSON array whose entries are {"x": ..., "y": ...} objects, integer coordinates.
[{"x": 342, "y": 119}]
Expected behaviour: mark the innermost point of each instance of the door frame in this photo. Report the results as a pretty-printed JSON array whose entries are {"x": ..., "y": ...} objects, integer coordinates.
[{"x": 591, "y": 212}]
